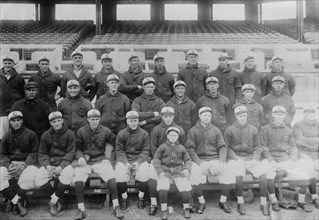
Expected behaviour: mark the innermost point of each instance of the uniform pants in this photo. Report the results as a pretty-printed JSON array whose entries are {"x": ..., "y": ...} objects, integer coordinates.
[
  {"x": 122, "y": 174},
  {"x": 65, "y": 177},
  {"x": 182, "y": 184}
]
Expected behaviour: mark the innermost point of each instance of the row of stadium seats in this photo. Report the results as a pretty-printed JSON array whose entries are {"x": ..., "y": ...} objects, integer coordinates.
[{"x": 289, "y": 28}]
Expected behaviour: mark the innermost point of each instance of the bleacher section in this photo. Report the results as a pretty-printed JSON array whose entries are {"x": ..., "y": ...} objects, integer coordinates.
[
  {"x": 289, "y": 28},
  {"x": 67, "y": 33},
  {"x": 188, "y": 32}
]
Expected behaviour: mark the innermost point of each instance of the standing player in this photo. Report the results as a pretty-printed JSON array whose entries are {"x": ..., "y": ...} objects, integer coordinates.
[
  {"x": 277, "y": 69},
  {"x": 18, "y": 160},
  {"x": 229, "y": 83},
  {"x": 11, "y": 91},
  {"x": 148, "y": 106},
  {"x": 131, "y": 81},
  {"x": 251, "y": 76},
  {"x": 193, "y": 76},
  {"x": 56, "y": 152},
  {"x": 48, "y": 82},
  {"x": 132, "y": 151},
  {"x": 100, "y": 78},
  {"x": 113, "y": 106},
  {"x": 35, "y": 111},
  {"x": 184, "y": 108},
  {"x": 74, "y": 107},
  {"x": 164, "y": 80},
  {"x": 92, "y": 140},
  {"x": 81, "y": 74}
]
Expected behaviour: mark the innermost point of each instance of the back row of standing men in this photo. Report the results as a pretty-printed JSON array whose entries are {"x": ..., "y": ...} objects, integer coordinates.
[{"x": 215, "y": 93}]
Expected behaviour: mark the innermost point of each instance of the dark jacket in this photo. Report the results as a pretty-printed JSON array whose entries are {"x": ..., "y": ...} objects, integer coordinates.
[
  {"x": 113, "y": 109},
  {"x": 172, "y": 159},
  {"x": 205, "y": 144},
  {"x": 194, "y": 77},
  {"x": 273, "y": 99},
  {"x": 278, "y": 142},
  {"x": 129, "y": 81},
  {"x": 255, "y": 112},
  {"x": 11, "y": 91},
  {"x": 243, "y": 142},
  {"x": 251, "y": 76},
  {"x": 48, "y": 84},
  {"x": 220, "y": 106},
  {"x": 87, "y": 84},
  {"x": 35, "y": 114},
  {"x": 74, "y": 111},
  {"x": 57, "y": 148},
  {"x": 306, "y": 135},
  {"x": 19, "y": 145},
  {"x": 164, "y": 83},
  {"x": 290, "y": 85},
  {"x": 158, "y": 136},
  {"x": 132, "y": 146},
  {"x": 184, "y": 112},
  {"x": 146, "y": 106},
  {"x": 100, "y": 81},
  {"x": 93, "y": 143}
]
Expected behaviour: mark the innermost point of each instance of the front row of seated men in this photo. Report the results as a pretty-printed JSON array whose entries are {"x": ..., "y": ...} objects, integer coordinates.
[{"x": 187, "y": 163}]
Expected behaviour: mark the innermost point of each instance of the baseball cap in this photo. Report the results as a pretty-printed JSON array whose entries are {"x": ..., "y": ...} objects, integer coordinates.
[
  {"x": 248, "y": 87},
  {"x": 105, "y": 56},
  {"x": 131, "y": 115},
  {"x": 15, "y": 114},
  {"x": 148, "y": 80},
  {"x": 211, "y": 79},
  {"x": 132, "y": 56},
  {"x": 8, "y": 58},
  {"x": 223, "y": 56},
  {"x": 43, "y": 58},
  {"x": 55, "y": 115},
  {"x": 30, "y": 84},
  {"x": 278, "y": 79},
  {"x": 93, "y": 113},
  {"x": 179, "y": 83},
  {"x": 158, "y": 56},
  {"x": 248, "y": 57},
  {"x": 112, "y": 77},
  {"x": 76, "y": 52},
  {"x": 192, "y": 52},
  {"x": 276, "y": 58},
  {"x": 173, "y": 129},
  {"x": 278, "y": 108},
  {"x": 73, "y": 82},
  {"x": 167, "y": 111},
  {"x": 240, "y": 109},
  {"x": 205, "y": 109}
]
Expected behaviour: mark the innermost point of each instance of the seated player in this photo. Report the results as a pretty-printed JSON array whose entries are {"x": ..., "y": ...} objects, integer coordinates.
[
  {"x": 148, "y": 106},
  {"x": 172, "y": 162},
  {"x": 132, "y": 151},
  {"x": 92, "y": 141},
  {"x": 255, "y": 110},
  {"x": 184, "y": 108},
  {"x": 18, "y": 163},
  {"x": 244, "y": 146},
  {"x": 306, "y": 133},
  {"x": 56, "y": 152},
  {"x": 279, "y": 148},
  {"x": 158, "y": 136},
  {"x": 207, "y": 148}
]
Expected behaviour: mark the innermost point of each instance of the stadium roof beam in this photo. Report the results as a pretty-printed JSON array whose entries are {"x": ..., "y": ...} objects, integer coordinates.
[
  {"x": 205, "y": 10},
  {"x": 157, "y": 10},
  {"x": 47, "y": 10}
]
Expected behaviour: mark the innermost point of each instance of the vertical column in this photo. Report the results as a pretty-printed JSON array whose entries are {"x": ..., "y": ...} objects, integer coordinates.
[
  {"x": 205, "y": 10},
  {"x": 251, "y": 12},
  {"x": 36, "y": 11},
  {"x": 157, "y": 10},
  {"x": 98, "y": 17},
  {"x": 47, "y": 11},
  {"x": 108, "y": 11},
  {"x": 300, "y": 21}
]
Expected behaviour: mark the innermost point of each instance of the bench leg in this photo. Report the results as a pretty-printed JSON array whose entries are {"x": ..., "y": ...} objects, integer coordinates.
[{"x": 107, "y": 200}]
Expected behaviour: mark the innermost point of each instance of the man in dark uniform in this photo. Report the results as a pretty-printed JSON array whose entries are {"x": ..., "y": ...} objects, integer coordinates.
[
  {"x": 48, "y": 82},
  {"x": 35, "y": 111},
  {"x": 11, "y": 91},
  {"x": 193, "y": 76},
  {"x": 18, "y": 161},
  {"x": 81, "y": 74},
  {"x": 100, "y": 78},
  {"x": 131, "y": 80}
]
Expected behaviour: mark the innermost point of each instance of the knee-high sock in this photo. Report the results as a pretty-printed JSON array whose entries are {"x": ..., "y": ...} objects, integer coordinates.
[
  {"x": 142, "y": 186},
  {"x": 122, "y": 187},
  {"x": 60, "y": 189},
  {"x": 111, "y": 185},
  {"x": 239, "y": 186},
  {"x": 152, "y": 185},
  {"x": 198, "y": 190},
  {"x": 271, "y": 186},
  {"x": 162, "y": 196},
  {"x": 9, "y": 192},
  {"x": 185, "y": 197},
  {"x": 79, "y": 191},
  {"x": 312, "y": 186},
  {"x": 47, "y": 189},
  {"x": 226, "y": 188},
  {"x": 263, "y": 185}
]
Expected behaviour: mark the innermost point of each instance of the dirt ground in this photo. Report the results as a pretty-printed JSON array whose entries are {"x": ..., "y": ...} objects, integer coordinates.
[{"x": 38, "y": 210}]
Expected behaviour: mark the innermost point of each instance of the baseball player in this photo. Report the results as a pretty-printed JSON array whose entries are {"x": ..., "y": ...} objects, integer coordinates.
[
  {"x": 184, "y": 108},
  {"x": 193, "y": 76},
  {"x": 113, "y": 106},
  {"x": 18, "y": 161},
  {"x": 81, "y": 74},
  {"x": 11, "y": 91},
  {"x": 48, "y": 82},
  {"x": 92, "y": 141},
  {"x": 74, "y": 107},
  {"x": 172, "y": 162},
  {"x": 131, "y": 81},
  {"x": 132, "y": 151},
  {"x": 56, "y": 152},
  {"x": 148, "y": 106}
]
